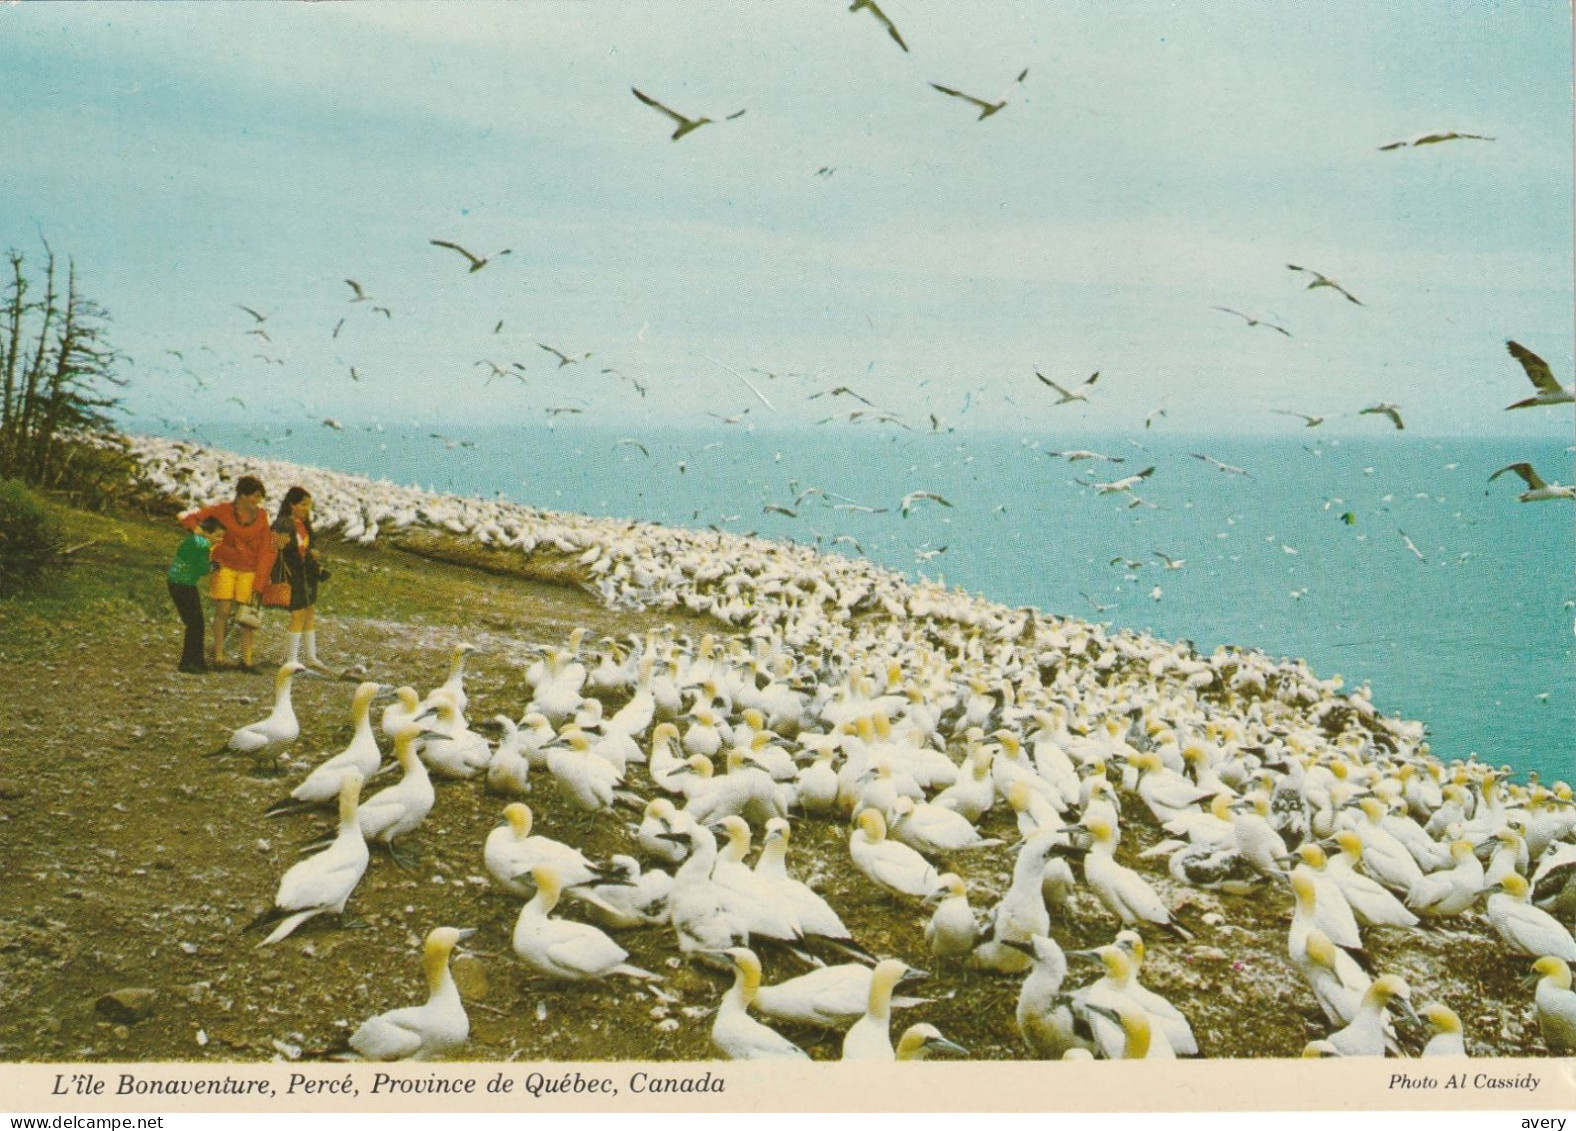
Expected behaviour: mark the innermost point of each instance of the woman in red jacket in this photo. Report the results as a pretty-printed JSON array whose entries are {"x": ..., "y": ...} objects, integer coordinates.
[{"x": 246, "y": 553}]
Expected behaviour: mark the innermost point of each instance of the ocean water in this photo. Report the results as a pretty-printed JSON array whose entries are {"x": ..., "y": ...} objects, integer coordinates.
[{"x": 1304, "y": 555}]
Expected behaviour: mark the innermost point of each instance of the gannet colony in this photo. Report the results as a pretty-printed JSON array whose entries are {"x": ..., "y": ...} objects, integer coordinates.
[{"x": 958, "y": 748}]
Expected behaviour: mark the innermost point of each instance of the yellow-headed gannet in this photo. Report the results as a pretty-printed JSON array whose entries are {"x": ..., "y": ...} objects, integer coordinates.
[
  {"x": 951, "y": 930},
  {"x": 1368, "y": 1033},
  {"x": 922, "y": 1041},
  {"x": 870, "y": 1037},
  {"x": 735, "y": 1033},
  {"x": 397, "y": 809},
  {"x": 1449, "y": 891},
  {"x": 894, "y": 867},
  {"x": 323, "y": 882},
  {"x": 833, "y": 997},
  {"x": 421, "y": 1032},
  {"x": 563, "y": 950},
  {"x": 322, "y": 784},
  {"x": 268, "y": 736},
  {"x": 1555, "y": 1004},
  {"x": 1447, "y": 1038},
  {"x": 1125, "y": 893},
  {"x": 1527, "y": 929}
]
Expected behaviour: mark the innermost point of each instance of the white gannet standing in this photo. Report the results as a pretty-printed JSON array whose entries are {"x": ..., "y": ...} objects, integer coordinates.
[
  {"x": 583, "y": 779},
  {"x": 1447, "y": 1038},
  {"x": 509, "y": 771},
  {"x": 362, "y": 755},
  {"x": 1368, "y": 1032},
  {"x": 891, "y": 866},
  {"x": 1307, "y": 916},
  {"x": 1555, "y": 1005},
  {"x": 1044, "y": 1014},
  {"x": 1384, "y": 857},
  {"x": 453, "y": 688},
  {"x": 1332, "y": 914},
  {"x": 870, "y": 1037},
  {"x": 1337, "y": 982},
  {"x": 397, "y": 809},
  {"x": 736, "y": 1034},
  {"x": 564, "y": 950},
  {"x": 1125, "y": 893},
  {"x": 453, "y": 749},
  {"x": 951, "y": 930},
  {"x": 323, "y": 882},
  {"x": 267, "y": 737},
  {"x": 421, "y": 1032},
  {"x": 814, "y": 915},
  {"x": 661, "y": 817},
  {"x": 815, "y": 786},
  {"x": 1021, "y": 914},
  {"x": 1113, "y": 991},
  {"x": 1527, "y": 929},
  {"x": 666, "y": 767}
]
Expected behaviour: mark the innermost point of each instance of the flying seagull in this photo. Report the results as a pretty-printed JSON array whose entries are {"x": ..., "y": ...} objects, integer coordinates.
[
  {"x": 1171, "y": 563},
  {"x": 685, "y": 125},
  {"x": 260, "y": 317},
  {"x": 630, "y": 442},
  {"x": 1077, "y": 454},
  {"x": 1385, "y": 408},
  {"x": 1078, "y": 394},
  {"x": 1322, "y": 280},
  {"x": 476, "y": 263},
  {"x": 1098, "y": 607},
  {"x": 1213, "y": 462},
  {"x": 841, "y": 391},
  {"x": 920, "y": 496},
  {"x": 1537, "y": 490},
  {"x": 881, "y": 18},
  {"x": 1549, "y": 390},
  {"x": 361, "y": 295},
  {"x": 563, "y": 358},
  {"x": 774, "y": 508},
  {"x": 1254, "y": 321},
  {"x": 1410, "y": 545},
  {"x": 986, "y": 108},
  {"x": 1126, "y": 484},
  {"x": 760, "y": 396},
  {"x": 1433, "y": 138},
  {"x": 1311, "y": 421}
]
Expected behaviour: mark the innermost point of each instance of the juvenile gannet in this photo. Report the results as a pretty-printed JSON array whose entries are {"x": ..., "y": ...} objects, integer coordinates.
[
  {"x": 564, "y": 950},
  {"x": 1555, "y": 1005},
  {"x": 323, "y": 882},
  {"x": 889, "y": 865},
  {"x": 870, "y": 1037},
  {"x": 1447, "y": 1038},
  {"x": 735, "y": 1033},
  {"x": 421, "y": 1032},
  {"x": 1549, "y": 390},
  {"x": 1524, "y": 928},
  {"x": 361, "y": 755},
  {"x": 270, "y": 735}
]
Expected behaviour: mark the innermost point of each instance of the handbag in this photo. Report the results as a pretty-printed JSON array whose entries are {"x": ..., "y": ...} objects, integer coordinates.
[
  {"x": 276, "y": 595},
  {"x": 249, "y": 615}
]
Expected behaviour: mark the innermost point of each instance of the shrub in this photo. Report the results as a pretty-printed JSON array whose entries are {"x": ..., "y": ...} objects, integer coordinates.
[{"x": 29, "y": 537}]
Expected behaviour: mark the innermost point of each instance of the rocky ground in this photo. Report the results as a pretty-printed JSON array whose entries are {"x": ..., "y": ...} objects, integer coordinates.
[{"x": 133, "y": 860}]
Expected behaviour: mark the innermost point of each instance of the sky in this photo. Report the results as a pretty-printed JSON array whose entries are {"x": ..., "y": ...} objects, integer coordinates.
[{"x": 853, "y": 226}]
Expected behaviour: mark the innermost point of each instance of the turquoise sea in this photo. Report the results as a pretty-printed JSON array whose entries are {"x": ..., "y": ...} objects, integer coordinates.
[{"x": 1304, "y": 555}]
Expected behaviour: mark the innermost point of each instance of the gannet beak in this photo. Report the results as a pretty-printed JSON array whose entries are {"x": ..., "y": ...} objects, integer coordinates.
[
  {"x": 913, "y": 974},
  {"x": 1026, "y": 948},
  {"x": 941, "y": 1044},
  {"x": 676, "y": 838},
  {"x": 466, "y": 932}
]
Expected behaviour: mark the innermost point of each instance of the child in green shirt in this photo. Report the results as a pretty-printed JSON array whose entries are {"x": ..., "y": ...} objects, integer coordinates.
[{"x": 190, "y": 566}]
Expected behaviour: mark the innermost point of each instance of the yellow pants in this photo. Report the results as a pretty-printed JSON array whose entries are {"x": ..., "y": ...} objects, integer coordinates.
[{"x": 230, "y": 585}]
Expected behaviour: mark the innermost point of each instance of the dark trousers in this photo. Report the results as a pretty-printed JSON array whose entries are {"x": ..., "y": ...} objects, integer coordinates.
[{"x": 189, "y": 605}]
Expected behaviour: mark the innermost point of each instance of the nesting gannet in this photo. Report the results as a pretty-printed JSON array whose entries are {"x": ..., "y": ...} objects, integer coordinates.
[
  {"x": 704, "y": 920},
  {"x": 951, "y": 930},
  {"x": 509, "y": 770},
  {"x": 322, "y": 784},
  {"x": 1449, "y": 891},
  {"x": 744, "y": 791},
  {"x": 735, "y": 1033},
  {"x": 453, "y": 750},
  {"x": 1337, "y": 982},
  {"x": 1045, "y": 1016},
  {"x": 974, "y": 793},
  {"x": 1125, "y": 893},
  {"x": 404, "y": 709},
  {"x": 583, "y": 779},
  {"x": 814, "y": 915},
  {"x": 511, "y": 851},
  {"x": 833, "y": 997},
  {"x": 921, "y": 1041},
  {"x": 1527, "y": 929},
  {"x": 421, "y": 1032},
  {"x": 1178, "y": 1030},
  {"x": 1021, "y": 914},
  {"x": 894, "y": 867},
  {"x": 870, "y": 1037},
  {"x": 758, "y": 897},
  {"x": 1370, "y": 901},
  {"x": 661, "y": 817},
  {"x": 1555, "y": 1005},
  {"x": 933, "y": 829},
  {"x": 270, "y": 735},
  {"x": 397, "y": 809},
  {"x": 1368, "y": 1033},
  {"x": 323, "y": 882},
  {"x": 1447, "y": 1038},
  {"x": 563, "y": 950}
]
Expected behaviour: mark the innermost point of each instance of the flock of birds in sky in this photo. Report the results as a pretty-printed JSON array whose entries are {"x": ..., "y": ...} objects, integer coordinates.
[{"x": 966, "y": 749}]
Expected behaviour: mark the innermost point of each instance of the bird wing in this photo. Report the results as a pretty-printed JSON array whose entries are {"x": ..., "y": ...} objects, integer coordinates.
[
  {"x": 1533, "y": 480},
  {"x": 655, "y": 105},
  {"x": 881, "y": 17},
  {"x": 253, "y": 313},
  {"x": 454, "y": 247},
  {"x": 981, "y": 103},
  {"x": 395, "y": 1035},
  {"x": 355, "y": 286},
  {"x": 1538, "y": 371}
]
